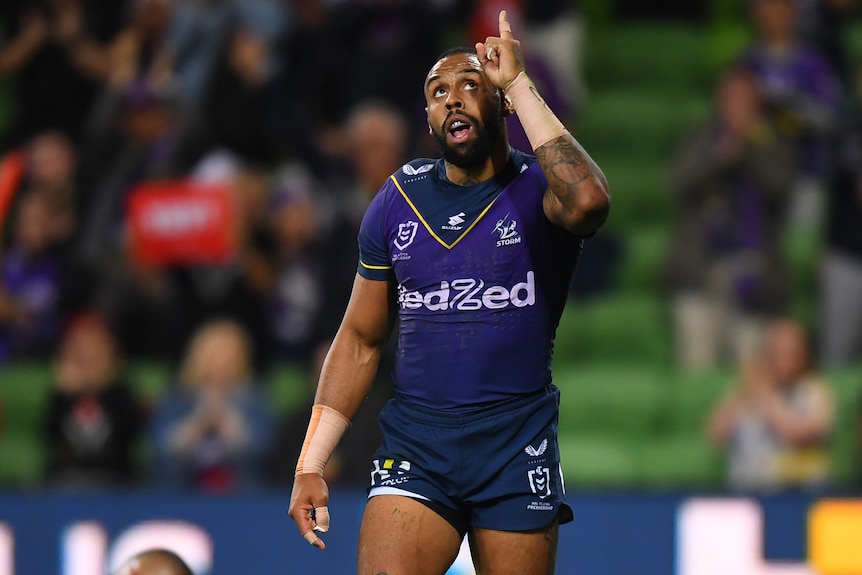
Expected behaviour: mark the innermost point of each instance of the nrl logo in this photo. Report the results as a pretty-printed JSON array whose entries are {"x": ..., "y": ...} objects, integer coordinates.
[
  {"x": 540, "y": 481},
  {"x": 406, "y": 233}
]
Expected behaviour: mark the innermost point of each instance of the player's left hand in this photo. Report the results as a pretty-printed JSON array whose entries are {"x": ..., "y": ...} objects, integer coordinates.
[
  {"x": 308, "y": 507},
  {"x": 501, "y": 56}
]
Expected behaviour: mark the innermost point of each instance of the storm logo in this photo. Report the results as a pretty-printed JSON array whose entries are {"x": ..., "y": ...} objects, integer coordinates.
[{"x": 508, "y": 234}]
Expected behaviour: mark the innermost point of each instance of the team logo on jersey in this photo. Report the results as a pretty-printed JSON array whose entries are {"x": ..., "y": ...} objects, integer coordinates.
[
  {"x": 455, "y": 222},
  {"x": 508, "y": 234},
  {"x": 389, "y": 472},
  {"x": 411, "y": 171},
  {"x": 540, "y": 481},
  {"x": 406, "y": 233},
  {"x": 537, "y": 451}
]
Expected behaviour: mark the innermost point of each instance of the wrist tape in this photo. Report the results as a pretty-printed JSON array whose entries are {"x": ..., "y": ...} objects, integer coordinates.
[
  {"x": 540, "y": 124},
  {"x": 324, "y": 432}
]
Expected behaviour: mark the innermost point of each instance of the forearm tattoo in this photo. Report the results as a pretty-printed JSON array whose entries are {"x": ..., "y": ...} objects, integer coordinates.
[
  {"x": 566, "y": 166},
  {"x": 564, "y": 163}
]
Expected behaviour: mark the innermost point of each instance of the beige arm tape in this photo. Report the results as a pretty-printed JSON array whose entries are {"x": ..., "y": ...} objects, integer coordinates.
[
  {"x": 324, "y": 432},
  {"x": 540, "y": 124}
]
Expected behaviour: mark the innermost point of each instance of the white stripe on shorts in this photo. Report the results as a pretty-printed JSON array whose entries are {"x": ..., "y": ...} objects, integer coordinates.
[{"x": 395, "y": 491}]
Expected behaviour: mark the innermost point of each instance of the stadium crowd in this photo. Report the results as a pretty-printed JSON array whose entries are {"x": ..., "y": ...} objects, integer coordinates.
[{"x": 257, "y": 131}]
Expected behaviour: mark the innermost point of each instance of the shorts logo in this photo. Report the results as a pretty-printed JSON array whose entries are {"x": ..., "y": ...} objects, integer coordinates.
[
  {"x": 540, "y": 481},
  {"x": 389, "y": 472},
  {"x": 406, "y": 233},
  {"x": 536, "y": 451},
  {"x": 508, "y": 234}
]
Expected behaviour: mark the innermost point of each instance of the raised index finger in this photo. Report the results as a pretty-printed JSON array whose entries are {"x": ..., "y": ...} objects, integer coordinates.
[{"x": 505, "y": 27}]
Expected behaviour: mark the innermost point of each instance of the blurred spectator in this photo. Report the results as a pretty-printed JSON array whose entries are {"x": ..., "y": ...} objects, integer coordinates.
[
  {"x": 187, "y": 54},
  {"x": 376, "y": 146},
  {"x": 376, "y": 138},
  {"x": 554, "y": 31},
  {"x": 311, "y": 287},
  {"x": 52, "y": 168},
  {"x": 136, "y": 138},
  {"x": 93, "y": 420},
  {"x": 775, "y": 423},
  {"x": 30, "y": 281},
  {"x": 730, "y": 177},
  {"x": 839, "y": 305},
  {"x": 136, "y": 47},
  {"x": 248, "y": 105},
  {"x": 48, "y": 163},
  {"x": 53, "y": 49},
  {"x": 212, "y": 431},
  {"x": 391, "y": 44},
  {"x": 823, "y": 25},
  {"x": 801, "y": 93}
]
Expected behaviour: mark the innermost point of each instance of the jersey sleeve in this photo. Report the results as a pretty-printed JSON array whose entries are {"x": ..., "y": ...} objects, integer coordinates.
[{"x": 374, "y": 263}]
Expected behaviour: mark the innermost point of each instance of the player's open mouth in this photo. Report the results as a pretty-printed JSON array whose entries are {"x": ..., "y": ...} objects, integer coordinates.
[{"x": 459, "y": 130}]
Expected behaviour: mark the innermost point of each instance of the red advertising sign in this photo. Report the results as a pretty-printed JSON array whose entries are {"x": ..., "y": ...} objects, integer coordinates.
[{"x": 180, "y": 222}]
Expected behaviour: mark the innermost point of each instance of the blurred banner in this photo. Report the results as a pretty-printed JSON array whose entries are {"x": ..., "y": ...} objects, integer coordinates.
[
  {"x": 612, "y": 534},
  {"x": 180, "y": 222}
]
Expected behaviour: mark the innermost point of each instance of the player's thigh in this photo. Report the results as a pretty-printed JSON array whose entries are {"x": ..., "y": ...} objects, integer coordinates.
[
  {"x": 514, "y": 552},
  {"x": 401, "y": 536}
]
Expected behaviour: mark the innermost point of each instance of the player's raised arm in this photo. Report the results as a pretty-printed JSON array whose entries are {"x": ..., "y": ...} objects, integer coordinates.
[
  {"x": 345, "y": 380},
  {"x": 578, "y": 196}
]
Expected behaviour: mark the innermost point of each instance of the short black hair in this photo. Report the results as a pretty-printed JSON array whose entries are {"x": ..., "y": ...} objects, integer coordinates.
[{"x": 457, "y": 50}]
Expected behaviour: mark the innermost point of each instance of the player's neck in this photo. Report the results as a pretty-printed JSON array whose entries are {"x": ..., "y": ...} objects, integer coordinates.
[{"x": 492, "y": 165}]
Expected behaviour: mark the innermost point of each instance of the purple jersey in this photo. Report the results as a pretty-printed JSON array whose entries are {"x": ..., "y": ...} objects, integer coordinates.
[{"x": 482, "y": 277}]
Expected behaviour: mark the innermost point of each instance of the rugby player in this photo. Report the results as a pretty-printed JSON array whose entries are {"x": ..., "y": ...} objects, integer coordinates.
[{"x": 474, "y": 254}]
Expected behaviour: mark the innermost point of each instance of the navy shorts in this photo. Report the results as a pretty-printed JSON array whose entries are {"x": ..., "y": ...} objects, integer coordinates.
[{"x": 494, "y": 467}]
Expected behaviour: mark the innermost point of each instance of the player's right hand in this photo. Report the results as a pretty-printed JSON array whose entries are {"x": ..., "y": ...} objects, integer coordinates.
[{"x": 308, "y": 507}]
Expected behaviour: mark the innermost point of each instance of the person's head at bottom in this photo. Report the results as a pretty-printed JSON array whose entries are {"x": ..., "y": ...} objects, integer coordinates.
[{"x": 154, "y": 562}]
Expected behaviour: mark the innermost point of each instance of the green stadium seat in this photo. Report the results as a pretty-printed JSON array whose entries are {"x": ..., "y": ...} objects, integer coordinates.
[
  {"x": 21, "y": 459},
  {"x": 616, "y": 400},
  {"x": 691, "y": 397},
  {"x": 289, "y": 385},
  {"x": 24, "y": 388},
  {"x": 658, "y": 54},
  {"x": 150, "y": 379},
  {"x": 845, "y": 448},
  {"x": 679, "y": 461},
  {"x": 622, "y": 327},
  {"x": 597, "y": 461},
  {"x": 644, "y": 251}
]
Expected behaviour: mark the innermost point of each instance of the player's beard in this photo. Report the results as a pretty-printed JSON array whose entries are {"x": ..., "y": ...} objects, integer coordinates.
[{"x": 477, "y": 151}]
